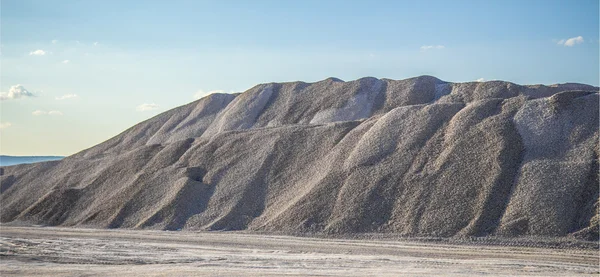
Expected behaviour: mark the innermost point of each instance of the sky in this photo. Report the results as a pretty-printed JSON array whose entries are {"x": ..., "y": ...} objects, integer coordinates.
[{"x": 76, "y": 73}]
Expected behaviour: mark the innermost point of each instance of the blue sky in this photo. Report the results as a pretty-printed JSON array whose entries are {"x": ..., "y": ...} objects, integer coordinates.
[{"x": 90, "y": 66}]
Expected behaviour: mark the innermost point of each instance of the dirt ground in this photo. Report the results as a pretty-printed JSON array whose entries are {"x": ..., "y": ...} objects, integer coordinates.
[{"x": 37, "y": 251}]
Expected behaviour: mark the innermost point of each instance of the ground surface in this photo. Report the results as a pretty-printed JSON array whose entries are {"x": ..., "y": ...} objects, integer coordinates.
[{"x": 33, "y": 251}]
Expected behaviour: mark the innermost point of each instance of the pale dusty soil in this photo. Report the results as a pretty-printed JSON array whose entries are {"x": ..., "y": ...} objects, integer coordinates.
[{"x": 35, "y": 251}]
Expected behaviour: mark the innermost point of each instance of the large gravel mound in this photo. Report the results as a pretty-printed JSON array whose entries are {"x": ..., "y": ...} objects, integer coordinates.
[{"x": 414, "y": 157}]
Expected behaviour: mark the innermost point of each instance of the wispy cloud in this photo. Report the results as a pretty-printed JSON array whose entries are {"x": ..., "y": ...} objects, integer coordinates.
[
  {"x": 480, "y": 80},
  {"x": 571, "y": 41},
  {"x": 95, "y": 43},
  {"x": 66, "y": 96},
  {"x": 15, "y": 92},
  {"x": 200, "y": 93},
  {"x": 40, "y": 112},
  {"x": 38, "y": 52},
  {"x": 65, "y": 61},
  {"x": 429, "y": 47},
  {"x": 4, "y": 125},
  {"x": 146, "y": 107},
  {"x": 54, "y": 41}
]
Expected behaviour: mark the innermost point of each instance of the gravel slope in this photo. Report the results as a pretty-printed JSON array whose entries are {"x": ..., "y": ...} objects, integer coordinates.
[{"x": 414, "y": 157}]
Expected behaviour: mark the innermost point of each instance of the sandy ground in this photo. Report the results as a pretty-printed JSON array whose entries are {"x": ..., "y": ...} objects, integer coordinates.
[{"x": 35, "y": 251}]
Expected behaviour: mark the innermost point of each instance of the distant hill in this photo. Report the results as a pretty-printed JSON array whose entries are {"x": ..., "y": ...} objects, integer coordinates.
[
  {"x": 417, "y": 157},
  {"x": 13, "y": 160}
]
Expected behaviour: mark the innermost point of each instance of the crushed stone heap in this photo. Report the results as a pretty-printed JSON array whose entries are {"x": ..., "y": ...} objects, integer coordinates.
[{"x": 414, "y": 157}]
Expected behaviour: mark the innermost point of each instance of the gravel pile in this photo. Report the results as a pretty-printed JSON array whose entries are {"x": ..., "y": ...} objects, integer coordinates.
[{"x": 414, "y": 157}]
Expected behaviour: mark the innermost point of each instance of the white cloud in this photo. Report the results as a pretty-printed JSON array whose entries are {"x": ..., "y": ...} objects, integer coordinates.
[
  {"x": 40, "y": 112},
  {"x": 429, "y": 47},
  {"x": 15, "y": 92},
  {"x": 571, "y": 41},
  {"x": 66, "y": 96},
  {"x": 65, "y": 61},
  {"x": 480, "y": 80},
  {"x": 146, "y": 107},
  {"x": 95, "y": 43},
  {"x": 200, "y": 93},
  {"x": 38, "y": 52},
  {"x": 4, "y": 125},
  {"x": 54, "y": 41}
]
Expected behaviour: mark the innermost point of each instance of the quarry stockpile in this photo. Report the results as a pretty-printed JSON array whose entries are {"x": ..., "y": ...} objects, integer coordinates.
[{"x": 414, "y": 157}]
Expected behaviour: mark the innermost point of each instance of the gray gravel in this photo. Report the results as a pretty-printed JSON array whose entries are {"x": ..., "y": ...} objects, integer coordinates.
[
  {"x": 414, "y": 157},
  {"x": 91, "y": 252}
]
